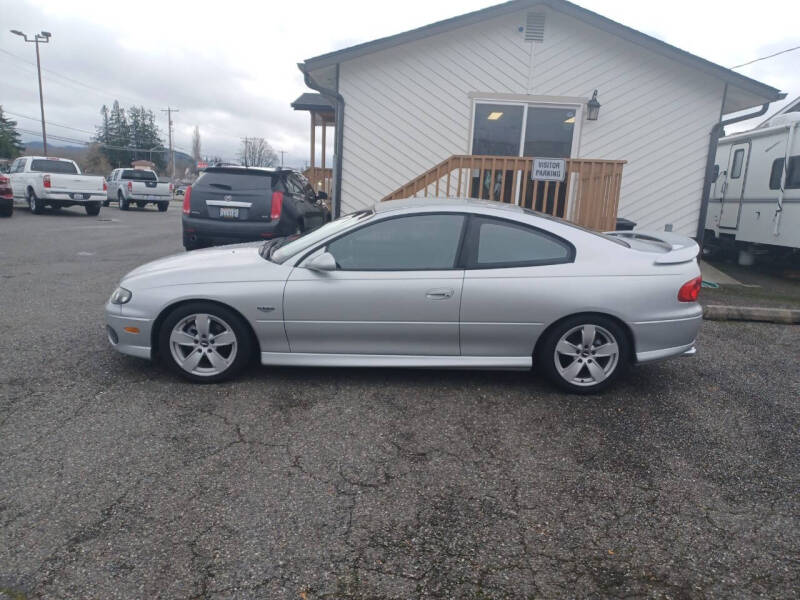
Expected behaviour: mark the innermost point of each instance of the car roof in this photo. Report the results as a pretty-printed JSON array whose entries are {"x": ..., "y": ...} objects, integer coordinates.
[{"x": 445, "y": 204}]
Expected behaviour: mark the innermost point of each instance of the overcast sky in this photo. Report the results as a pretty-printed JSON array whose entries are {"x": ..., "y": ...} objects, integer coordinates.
[{"x": 230, "y": 67}]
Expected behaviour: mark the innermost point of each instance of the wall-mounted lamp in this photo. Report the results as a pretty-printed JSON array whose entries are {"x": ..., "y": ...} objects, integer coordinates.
[{"x": 592, "y": 108}]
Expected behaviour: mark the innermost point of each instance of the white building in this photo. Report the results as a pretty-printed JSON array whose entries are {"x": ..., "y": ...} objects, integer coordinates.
[{"x": 514, "y": 80}]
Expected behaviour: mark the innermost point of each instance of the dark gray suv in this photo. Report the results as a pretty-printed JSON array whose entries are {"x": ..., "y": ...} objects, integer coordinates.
[{"x": 230, "y": 204}]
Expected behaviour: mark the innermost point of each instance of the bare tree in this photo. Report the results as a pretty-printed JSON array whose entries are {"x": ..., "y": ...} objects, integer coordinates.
[
  {"x": 196, "y": 150},
  {"x": 256, "y": 152}
]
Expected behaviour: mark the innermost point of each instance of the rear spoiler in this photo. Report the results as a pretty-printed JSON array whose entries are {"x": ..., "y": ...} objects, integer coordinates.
[{"x": 678, "y": 248}]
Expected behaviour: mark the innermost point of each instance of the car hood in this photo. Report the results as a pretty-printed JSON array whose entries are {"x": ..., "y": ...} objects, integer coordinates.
[{"x": 240, "y": 262}]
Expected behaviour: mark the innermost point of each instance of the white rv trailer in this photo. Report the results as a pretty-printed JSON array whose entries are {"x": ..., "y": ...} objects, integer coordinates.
[{"x": 754, "y": 205}]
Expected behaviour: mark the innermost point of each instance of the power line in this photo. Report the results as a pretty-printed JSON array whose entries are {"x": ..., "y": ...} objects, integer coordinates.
[
  {"x": 48, "y": 122},
  {"x": 766, "y": 57}
]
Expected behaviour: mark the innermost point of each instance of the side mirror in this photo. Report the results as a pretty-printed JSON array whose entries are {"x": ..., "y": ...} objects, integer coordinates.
[
  {"x": 323, "y": 262},
  {"x": 322, "y": 196}
]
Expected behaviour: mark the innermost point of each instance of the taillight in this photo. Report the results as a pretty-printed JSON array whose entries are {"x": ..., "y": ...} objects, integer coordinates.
[
  {"x": 46, "y": 181},
  {"x": 187, "y": 200},
  {"x": 130, "y": 186},
  {"x": 105, "y": 186},
  {"x": 690, "y": 290},
  {"x": 170, "y": 188},
  {"x": 277, "y": 205}
]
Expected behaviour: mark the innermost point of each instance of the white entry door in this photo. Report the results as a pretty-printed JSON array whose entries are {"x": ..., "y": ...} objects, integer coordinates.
[{"x": 734, "y": 185}]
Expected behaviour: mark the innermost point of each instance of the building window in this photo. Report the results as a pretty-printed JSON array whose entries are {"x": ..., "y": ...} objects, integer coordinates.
[
  {"x": 497, "y": 128},
  {"x": 792, "y": 175},
  {"x": 738, "y": 160}
]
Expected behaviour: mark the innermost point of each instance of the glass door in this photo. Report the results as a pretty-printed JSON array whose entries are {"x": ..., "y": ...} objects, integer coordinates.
[{"x": 521, "y": 129}]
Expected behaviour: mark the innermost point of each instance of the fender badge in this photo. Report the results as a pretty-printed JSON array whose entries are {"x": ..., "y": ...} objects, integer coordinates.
[{"x": 265, "y": 308}]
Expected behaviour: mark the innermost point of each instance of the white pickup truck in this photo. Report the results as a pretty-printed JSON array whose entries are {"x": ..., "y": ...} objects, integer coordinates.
[
  {"x": 140, "y": 186},
  {"x": 57, "y": 182}
]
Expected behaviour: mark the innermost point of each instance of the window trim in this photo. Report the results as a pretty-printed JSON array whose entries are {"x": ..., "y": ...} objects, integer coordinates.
[
  {"x": 737, "y": 152},
  {"x": 469, "y": 250}
]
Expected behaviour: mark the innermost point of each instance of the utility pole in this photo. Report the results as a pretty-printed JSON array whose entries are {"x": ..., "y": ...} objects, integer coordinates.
[
  {"x": 282, "y": 153},
  {"x": 43, "y": 38},
  {"x": 169, "y": 111}
]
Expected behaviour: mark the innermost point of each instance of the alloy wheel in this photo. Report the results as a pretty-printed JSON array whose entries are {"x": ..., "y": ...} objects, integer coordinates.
[
  {"x": 586, "y": 355},
  {"x": 203, "y": 344}
]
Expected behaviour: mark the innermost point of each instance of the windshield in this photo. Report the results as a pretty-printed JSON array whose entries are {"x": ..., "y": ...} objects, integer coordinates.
[
  {"x": 54, "y": 166},
  {"x": 281, "y": 250},
  {"x": 139, "y": 175}
]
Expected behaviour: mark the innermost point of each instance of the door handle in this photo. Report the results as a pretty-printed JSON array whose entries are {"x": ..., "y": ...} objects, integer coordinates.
[{"x": 439, "y": 294}]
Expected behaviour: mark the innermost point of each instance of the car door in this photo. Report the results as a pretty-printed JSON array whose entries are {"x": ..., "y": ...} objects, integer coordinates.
[
  {"x": 734, "y": 185},
  {"x": 17, "y": 179},
  {"x": 511, "y": 272},
  {"x": 396, "y": 291}
]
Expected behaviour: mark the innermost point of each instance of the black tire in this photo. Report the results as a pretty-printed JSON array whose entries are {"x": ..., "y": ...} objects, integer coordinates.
[
  {"x": 36, "y": 204},
  {"x": 243, "y": 341},
  {"x": 106, "y": 202},
  {"x": 557, "y": 367},
  {"x": 163, "y": 206},
  {"x": 141, "y": 204},
  {"x": 123, "y": 202},
  {"x": 193, "y": 244},
  {"x": 92, "y": 208},
  {"x": 7, "y": 211}
]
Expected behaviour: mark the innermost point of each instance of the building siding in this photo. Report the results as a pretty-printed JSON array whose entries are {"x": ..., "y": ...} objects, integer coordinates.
[{"x": 410, "y": 107}]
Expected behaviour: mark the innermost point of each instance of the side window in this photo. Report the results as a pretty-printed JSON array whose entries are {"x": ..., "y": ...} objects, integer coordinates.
[
  {"x": 792, "y": 174},
  {"x": 736, "y": 167},
  {"x": 292, "y": 187},
  {"x": 13, "y": 167},
  {"x": 496, "y": 243},
  {"x": 414, "y": 243}
]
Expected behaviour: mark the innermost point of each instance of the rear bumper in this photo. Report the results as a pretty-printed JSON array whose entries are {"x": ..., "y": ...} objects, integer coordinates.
[
  {"x": 148, "y": 198},
  {"x": 657, "y": 340},
  {"x": 216, "y": 230},
  {"x": 65, "y": 197}
]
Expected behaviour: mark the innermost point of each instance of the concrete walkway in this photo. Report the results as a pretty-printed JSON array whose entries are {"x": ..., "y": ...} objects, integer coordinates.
[{"x": 714, "y": 275}]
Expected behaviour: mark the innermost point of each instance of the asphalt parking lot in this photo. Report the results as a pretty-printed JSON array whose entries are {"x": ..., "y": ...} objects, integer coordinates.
[{"x": 119, "y": 481}]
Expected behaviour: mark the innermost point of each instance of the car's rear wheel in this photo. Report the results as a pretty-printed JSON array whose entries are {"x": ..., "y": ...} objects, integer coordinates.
[
  {"x": 92, "y": 209},
  {"x": 585, "y": 354},
  {"x": 123, "y": 202},
  {"x": 7, "y": 211},
  {"x": 205, "y": 342},
  {"x": 106, "y": 202},
  {"x": 163, "y": 206},
  {"x": 35, "y": 203}
]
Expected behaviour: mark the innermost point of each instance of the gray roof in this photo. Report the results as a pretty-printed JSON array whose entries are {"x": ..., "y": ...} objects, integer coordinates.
[
  {"x": 312, "y": 101},
  {"x": 752, "y": 86}
]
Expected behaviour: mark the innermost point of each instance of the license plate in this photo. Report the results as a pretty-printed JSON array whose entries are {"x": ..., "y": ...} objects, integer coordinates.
[{"x": 229, "y": 213}]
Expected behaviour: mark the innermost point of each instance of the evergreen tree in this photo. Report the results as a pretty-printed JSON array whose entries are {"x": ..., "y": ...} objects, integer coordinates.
[
  {"x": 128, "y": 136},
  {"x": 10, "y": 144}
]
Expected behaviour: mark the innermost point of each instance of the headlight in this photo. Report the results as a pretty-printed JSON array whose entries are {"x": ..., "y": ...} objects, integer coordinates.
[{"x": 121, "y": 296}]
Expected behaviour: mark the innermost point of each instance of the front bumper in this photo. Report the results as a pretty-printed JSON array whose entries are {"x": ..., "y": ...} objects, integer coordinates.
[{"x": 128, "y": 335}]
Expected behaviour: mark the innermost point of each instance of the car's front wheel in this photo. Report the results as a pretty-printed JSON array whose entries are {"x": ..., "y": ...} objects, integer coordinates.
[
  {"x": 585, "y": 354},
  {"x": 205, "y": 342}
]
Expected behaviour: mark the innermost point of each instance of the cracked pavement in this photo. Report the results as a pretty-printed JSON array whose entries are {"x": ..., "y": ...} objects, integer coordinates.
[{"x": 119, "y": 481}]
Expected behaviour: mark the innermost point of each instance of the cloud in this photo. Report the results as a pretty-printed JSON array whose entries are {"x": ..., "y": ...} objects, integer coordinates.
[{"x": 231, "y": 69}]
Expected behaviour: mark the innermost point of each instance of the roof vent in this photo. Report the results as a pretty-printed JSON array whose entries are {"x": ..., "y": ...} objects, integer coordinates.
[{"x": 534, "y": 27}]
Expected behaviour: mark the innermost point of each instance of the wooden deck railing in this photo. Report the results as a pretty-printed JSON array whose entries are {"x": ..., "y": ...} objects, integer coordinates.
[{"x": 588, "y": 196}]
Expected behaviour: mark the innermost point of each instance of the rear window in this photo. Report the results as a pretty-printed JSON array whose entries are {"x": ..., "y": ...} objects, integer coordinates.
[
  {"x": 42, "y": 165},
  {"x": 225, "y": 180},
  {"x": 139, "y": 175}
]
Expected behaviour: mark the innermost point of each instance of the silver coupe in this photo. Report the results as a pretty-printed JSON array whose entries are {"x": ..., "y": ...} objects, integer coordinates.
[{"x": 420, "y": 283}]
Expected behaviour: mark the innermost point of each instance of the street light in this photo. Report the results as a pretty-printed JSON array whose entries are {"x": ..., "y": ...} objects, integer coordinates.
[{"x": 43, "y": 38}]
